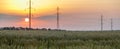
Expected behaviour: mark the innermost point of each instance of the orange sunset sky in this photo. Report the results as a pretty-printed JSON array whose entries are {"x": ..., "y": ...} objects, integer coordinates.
[{"x": 74, "y": 14}]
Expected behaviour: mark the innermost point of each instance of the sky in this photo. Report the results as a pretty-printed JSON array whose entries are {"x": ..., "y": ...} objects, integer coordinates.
[{"x": 74, "y": 14}]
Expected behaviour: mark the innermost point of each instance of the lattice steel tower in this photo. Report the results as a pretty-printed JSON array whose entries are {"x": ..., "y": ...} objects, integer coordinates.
[{"x": 30, "y": 14}]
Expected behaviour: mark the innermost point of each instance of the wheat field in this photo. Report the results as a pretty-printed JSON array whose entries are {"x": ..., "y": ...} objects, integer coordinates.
[{"x": 39, "y": 39}]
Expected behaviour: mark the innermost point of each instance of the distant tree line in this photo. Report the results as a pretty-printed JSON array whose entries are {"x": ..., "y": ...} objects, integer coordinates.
[{"x": 22, "y": 28}]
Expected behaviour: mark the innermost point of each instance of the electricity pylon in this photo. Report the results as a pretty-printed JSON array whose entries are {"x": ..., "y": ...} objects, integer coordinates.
[
  {"x": 101, "y": 22},
  {"x": 58, "y": 14},
  {"x": 30, "y": 14},
  {"x": 111, "y": 24}
]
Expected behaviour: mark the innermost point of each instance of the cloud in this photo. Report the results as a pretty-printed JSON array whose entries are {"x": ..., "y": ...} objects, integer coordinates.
[
  {"x": 47, "y": 18},
  {"x": 7, "y": 17}
]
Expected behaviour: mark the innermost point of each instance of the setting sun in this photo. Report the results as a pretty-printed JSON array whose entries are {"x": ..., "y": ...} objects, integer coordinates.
[
  {"x": 26, "y": 19},
  {"x": 42, "y": 13}
]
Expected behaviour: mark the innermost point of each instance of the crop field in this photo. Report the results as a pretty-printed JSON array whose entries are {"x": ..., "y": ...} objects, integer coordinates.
[{"x": 38, "y": 39}]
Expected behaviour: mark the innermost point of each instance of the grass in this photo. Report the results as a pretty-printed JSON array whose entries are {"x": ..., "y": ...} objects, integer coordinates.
[{"x": 37, "y": 39}]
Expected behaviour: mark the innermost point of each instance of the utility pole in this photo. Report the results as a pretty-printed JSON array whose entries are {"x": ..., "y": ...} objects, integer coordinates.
[
  {"x": 30, "y": 14},
  {"x": 58, "y": 14},
  {"x": 101, "y": 22}
]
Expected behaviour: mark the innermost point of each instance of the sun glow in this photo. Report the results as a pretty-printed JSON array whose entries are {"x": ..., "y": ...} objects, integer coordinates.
[
  {"x": 26, "y": 19},
  {"x": 21, "y": 6}
]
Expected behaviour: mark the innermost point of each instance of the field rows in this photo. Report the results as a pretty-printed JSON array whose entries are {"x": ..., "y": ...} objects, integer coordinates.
[{"x": 37, "y": 39}]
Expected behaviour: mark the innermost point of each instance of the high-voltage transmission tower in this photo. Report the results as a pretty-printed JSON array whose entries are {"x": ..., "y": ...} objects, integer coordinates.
[
  {"x": 101, "y": 22},
  {"x": 30, "y": 14},
  {"x": 111, "y": 24},
  {"x": 58, "y": 14}
]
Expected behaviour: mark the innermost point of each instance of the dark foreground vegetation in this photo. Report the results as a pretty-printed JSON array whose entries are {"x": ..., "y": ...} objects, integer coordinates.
[
  {"x": 23, "y": 28},
  {"x": 38, "y": 39}
]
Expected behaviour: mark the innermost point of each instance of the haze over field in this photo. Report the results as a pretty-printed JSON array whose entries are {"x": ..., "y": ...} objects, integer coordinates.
[{"x": 75, "y": 14}]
